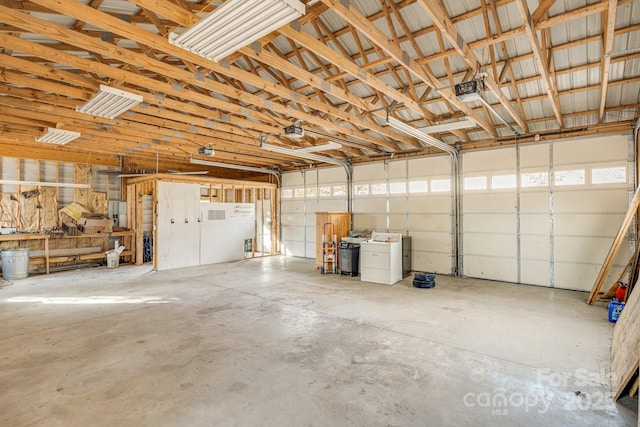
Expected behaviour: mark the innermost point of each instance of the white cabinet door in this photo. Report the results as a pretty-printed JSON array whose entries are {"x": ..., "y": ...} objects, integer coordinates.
[{"x": 178, "y": 227}]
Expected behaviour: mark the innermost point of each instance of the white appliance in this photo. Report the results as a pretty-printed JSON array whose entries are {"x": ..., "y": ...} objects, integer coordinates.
[{"x": 381, "y": 258}]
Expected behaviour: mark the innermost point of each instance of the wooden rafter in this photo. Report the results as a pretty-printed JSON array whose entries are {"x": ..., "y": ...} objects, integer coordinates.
[
  {"x": 608, "y": 28},
  {"x": 356, "y": 19},
  {"x": 436, "y": 10},
  {"x": 541, "y": 61}
]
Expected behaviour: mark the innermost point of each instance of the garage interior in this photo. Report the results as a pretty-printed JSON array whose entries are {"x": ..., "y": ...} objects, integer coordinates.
[{"x": 186, "y": 187}]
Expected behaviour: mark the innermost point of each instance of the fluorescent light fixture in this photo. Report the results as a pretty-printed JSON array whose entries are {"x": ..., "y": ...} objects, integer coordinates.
[
  {"x": 231, "y": 166},
  {"x": 328, "y": 146},
  {"x": 462, "y": 124},
  {"x": 235, "y": 24},
  {"x": 303, "y": 155},
  {"x": 110, "y": 102},
  {"x": 58, "y": 136},
  {"x": 420, "y": 136}
]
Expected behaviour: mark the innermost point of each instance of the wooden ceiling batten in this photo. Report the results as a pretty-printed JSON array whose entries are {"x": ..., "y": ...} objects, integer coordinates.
[{"x": 339, "y": 70}]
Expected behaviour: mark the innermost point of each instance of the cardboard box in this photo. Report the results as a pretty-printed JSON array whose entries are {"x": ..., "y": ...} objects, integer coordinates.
[{"x": 91, "y": 225}]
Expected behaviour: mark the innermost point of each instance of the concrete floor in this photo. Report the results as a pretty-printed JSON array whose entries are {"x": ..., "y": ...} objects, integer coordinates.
[{"x": 271, "y": 342}]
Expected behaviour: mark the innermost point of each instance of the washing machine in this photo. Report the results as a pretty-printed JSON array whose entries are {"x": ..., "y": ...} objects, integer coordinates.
[{"x": 381, "y": 258}]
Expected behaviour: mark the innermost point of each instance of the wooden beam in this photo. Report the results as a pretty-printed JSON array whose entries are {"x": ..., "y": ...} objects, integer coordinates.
[
  {"x": 438, "y": 13},
  {"x": 9, "y": 148},
  {"x": 543, "y": 7},
  {"x": 615, "y": 246},
  {"x": 356, "y": 19},
  {"x": 608, "y": 34},
  {"x": 541, "y": 62},
  {"x": 146, "y": 38}
]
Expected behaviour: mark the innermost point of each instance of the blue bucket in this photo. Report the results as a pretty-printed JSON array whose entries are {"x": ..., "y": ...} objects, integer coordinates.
[{"x": 615, "y": 308}]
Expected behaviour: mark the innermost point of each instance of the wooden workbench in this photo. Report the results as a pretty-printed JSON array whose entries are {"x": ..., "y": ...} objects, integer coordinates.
[{"x": 128, "y": 234}]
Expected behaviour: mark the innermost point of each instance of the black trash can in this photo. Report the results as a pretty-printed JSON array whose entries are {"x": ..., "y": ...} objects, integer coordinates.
[{"x": 349, "y": 254}]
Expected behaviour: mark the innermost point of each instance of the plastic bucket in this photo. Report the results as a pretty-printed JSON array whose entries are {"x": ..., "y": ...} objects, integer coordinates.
[
  {"x": 15, "y": 263},
  {"x": 113, "y": 259},
  {"x": 615, "y": 308}
]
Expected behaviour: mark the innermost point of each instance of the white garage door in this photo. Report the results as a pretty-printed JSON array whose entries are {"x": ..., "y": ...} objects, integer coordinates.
[
  {"x": 293, "y": 202},
  {"x": 489, "y": 214},
  {"x": 303, "y": 194},
  {"x": 430, "y": 214},
  {"x": 554, "y": 225}
]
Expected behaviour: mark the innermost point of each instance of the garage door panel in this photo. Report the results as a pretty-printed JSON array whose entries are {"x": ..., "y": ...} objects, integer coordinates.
[
  {"x": 572, "y": 277},
  {"x": 535, "y": 272},
  {"x": 534, "y": 224},
  {"x": 430, "y": 222},
  {"x": 430, "y": 166},
  {"x": 372, "y": 205},
  {"x": 537, "y": 202},
  {"x": 431, "y": 242},
  {"x": 504, "y": 269},
  {"x": 377, "y": 222},
  {"x": 431, "y": 262},
  {"x": 292, "y": 179},
  {"x": 485, "y": 202},
  {"x": 489, "y": 160},
  {"x": 614, "y": 201},
  {"x": 398, "y": 205},
  {"x": 490, "y": 244},
  {"x": 581, "y": 249},
  {"x": 292, "y": 219},
  {"x": 332, "y": 175},
  {"x": 332, "y": 205},
  {"x": 369, "y": 172},
  {"x": 535, "y": 156},
  {"x": 397, "y": 222},
  {"x": 292, "y": 206},
  {"x": 490, "y": 223},
  {"x": 436, "y": 204},
  {"x": 602, "y": 149},
  {"x": 535, "y": 247},
  {"x": 293, "y": 248},
  {"x": 588, "y": 224}
]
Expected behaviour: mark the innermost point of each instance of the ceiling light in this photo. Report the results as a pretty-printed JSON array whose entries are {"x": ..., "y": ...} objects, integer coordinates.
[
  {"x": 420, "y": 136},
  {"x": 235, "y": 24},
  {"x": 58, "y": 136},
  {"x": 462, "y": 124},
  {"x": 231, "y": 166},
  {"x": 110, "y": 102},
  {"x": 303, "y": 155},
  {"x": 328, "y": 146}
]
